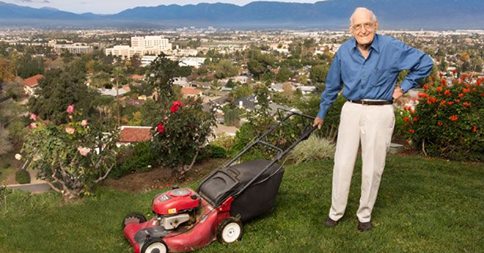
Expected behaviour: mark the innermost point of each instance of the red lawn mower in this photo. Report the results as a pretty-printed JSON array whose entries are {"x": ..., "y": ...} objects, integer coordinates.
[{"x": 186, "y": 220}]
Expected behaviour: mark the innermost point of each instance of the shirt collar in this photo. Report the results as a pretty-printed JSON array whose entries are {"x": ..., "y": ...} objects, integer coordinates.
[{"x": 375, "y": 45}]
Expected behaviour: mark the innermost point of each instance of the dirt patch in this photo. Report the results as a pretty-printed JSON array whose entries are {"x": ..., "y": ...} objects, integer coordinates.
[{"x": 161, "y": 177}]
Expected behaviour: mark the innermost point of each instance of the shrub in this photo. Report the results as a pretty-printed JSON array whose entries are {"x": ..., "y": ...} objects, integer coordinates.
[
  {"x": 447, "y": 121},
  {"x": 22, "y": 177},
  {"x": 138, "y": 157},
  {"x": 312, "y": 149},
  {"x": 73, "y": 157},
  {"x": 216, "y": 151},
  {"x": 181, "y": 132},
  {"x": 211, "y": 151}
]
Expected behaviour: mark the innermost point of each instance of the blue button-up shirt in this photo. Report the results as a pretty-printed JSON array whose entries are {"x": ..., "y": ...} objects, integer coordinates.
[{"x": 374, "y": 77}]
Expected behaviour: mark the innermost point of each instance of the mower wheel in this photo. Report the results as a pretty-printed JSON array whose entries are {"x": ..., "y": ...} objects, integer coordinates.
[
  {"x": 154, "y": 245},
  {"x": 133, "y": 218},
  {"x": 229, "y": 231}
]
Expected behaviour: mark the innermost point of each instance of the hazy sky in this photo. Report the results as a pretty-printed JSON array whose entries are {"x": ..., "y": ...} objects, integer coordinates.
[{"x": 115, "y": 6}]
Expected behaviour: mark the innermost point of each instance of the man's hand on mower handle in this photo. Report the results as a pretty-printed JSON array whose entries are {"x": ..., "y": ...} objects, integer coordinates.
[{"x": 318, "y": 122}]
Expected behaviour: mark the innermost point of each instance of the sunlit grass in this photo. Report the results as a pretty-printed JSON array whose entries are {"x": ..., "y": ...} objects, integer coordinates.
[{"x": 424, "y": 205}]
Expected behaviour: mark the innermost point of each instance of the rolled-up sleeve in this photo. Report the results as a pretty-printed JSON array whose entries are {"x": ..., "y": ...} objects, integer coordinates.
[{"x": 333, "y": 86}]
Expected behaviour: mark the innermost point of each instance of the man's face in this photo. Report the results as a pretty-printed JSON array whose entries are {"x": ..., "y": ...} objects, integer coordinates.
[{"x": 363, "y": 28}]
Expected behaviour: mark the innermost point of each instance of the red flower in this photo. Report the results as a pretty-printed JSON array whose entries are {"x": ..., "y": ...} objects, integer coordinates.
[
  {"x": 461, "y": 95},
  {"x": 450, "y": 103},
  {"x": 457, "y": 101},
  {"x": 479, "y": 81},
  {"x": 426, "y": 87},
  {"x": 443, "y": 82},
  {"x": 415, "y": 119},
  {"x": 439, "y": 89},
  {"x": 454, "y": 117},
  {"x": 454, "y": 71},
  {"x": 160, "y": 128},
  {"x": 411, "y": 131},
  {"x": 466, "y": 104},
  {"x": 175, "y": 106},
  {"x": 406, "y": 119},
  {"x": 439, "y": 123},
  {"x": 431, "y": 100},
  {"x": 443, "y": 103},
  {"x": 466, "y": 90},
  {"x": 447, "y": 92},
  {"x": 474, "y": 129},
  {"x": 422, "y": 95}
]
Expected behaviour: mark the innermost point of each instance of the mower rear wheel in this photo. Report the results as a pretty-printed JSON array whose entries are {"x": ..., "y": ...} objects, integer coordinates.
[
  {"x": 154, "y": 246},
  {"x": 133, "y": 218},
  {"x": 229, "y": 231}
]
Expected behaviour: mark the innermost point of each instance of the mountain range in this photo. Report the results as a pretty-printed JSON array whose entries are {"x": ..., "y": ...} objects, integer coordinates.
[{"x": 330, "y": 14}]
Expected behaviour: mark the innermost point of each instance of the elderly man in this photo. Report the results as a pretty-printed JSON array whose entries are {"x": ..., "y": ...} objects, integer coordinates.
[{"x": 366, "y": 68}]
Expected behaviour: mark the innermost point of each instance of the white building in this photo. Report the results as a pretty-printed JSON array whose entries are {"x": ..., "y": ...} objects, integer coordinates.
[
  {"x": 147, "y": 45},
  {"x": 73, "y": 48},
  {"x": 147, "y": 60},
  {"x": 195, "y": 62}
]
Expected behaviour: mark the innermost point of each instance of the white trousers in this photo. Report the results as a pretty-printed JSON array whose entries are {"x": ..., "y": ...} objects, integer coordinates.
[{"x": 372, "y": 125}]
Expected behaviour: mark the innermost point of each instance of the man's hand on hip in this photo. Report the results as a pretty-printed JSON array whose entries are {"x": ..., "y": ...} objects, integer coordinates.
[
  {"x": 397, "y": 93},
  {"x": 318, "y": 122}
]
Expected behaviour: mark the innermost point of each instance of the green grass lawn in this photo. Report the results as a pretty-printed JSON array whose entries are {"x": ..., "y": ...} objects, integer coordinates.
[{"x": 424, "y": 205}]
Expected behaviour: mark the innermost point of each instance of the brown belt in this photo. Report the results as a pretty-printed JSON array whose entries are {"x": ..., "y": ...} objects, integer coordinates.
[{"x": 370, "y": 102}]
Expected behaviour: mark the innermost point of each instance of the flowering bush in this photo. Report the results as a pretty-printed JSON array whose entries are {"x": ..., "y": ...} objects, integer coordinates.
[
  {"x": 182, "y": 129},
  {"x": 448, "y": 120},
  {"x": 72, "y": 157}
]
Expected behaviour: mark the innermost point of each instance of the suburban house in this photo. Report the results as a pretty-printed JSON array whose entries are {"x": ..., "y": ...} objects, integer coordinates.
[
  {"x": 113, "y": 92},
  {"x": 133, "y": 134},
  {"x": 31, "y": 83},
  {"x": 190, "y": 92}
]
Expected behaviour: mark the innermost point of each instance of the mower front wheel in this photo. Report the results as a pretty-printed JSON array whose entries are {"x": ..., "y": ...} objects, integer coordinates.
[
  {"x": 133, "y": 218},
  {"x": 154, "y": 245},
  {"x": 229, "y": 231}
]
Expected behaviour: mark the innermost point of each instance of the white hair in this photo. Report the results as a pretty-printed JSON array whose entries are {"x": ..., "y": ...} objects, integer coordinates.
[{"x": 358, "y": 9}]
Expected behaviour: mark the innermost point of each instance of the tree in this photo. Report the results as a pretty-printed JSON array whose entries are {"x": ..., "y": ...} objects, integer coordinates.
[
  {"x": 241, "y": 91},
  {"x": 7, "y": 70},
  {"x": 284, "y": 74},
  {"x": 260, "y": 64},
  {"x": 160, "y": 76},
  {"x": 231, "y": 117},
  {"x": 225, "y": 68},
  {"x": 58, "y": 89},
  {"x": 28, "y": 66},
  {"x": 72, "y": 157},
  {"x": 134, "y": 64},
  {"x": 318, "y": 73}
]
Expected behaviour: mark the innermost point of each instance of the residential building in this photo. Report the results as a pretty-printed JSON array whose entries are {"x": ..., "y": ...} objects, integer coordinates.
[
  {"x": 31, "y": 84},
  {"x": 191, "y": 92},
  {"x": 133, "y": 134}
]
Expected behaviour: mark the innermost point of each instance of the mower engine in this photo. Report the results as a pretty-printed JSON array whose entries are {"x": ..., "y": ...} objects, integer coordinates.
[{"x": 176, "y": 207}]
